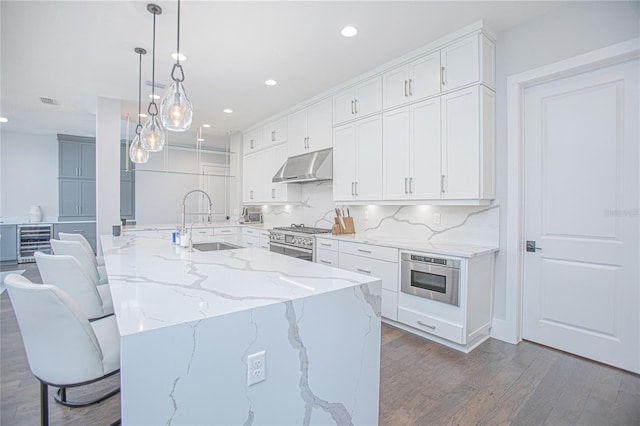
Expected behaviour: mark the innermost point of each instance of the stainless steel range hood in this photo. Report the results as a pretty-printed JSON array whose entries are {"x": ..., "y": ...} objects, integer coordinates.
[{"x": 311, "y": 167}]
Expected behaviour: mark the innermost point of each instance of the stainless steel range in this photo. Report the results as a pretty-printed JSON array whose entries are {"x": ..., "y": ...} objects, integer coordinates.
[{"x": 296, "y": 240}]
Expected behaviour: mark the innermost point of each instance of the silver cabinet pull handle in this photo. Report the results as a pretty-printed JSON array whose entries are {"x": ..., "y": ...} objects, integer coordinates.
[
  {"x": 364, "y": 271},
  {"x": 273, "y": 136},
  {"x": 325, "y": 261},
  {"x": 251, "y": 144},
  {"x": 353, "y": 191},
  {"x": 225, "y": 231},
  {"x": 353, "y": 110},
  {"x": 273, "y": 193},
  {"x": 405, "y": 89},
  {"x": 433, "y": 327},
  {"x": 251, "y": 195},
  {"x": 325, "y": 244},
  {"x": 442, "y": 183},
  {"x": 356, "y": 105},
  {"x": 405, "y": 185},
  {"x": 410, "y": 185},
  {"x": 442, "y": 75},
  {"x": 78, "y": 230},
  {"x": 356, "y": 188},
  {"x": 364, "y": 251},
  {"x": 410, "y": 90}
]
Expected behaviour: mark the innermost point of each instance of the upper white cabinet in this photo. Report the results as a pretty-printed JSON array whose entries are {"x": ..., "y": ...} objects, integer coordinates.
[
  {"x": 468, "y": 61},
  {"x": 358, "y": 101},
  {"x": 310, "y": 129},
  {"x": 468, "y": 144},
  {"x": 414, "y": 81},
  {"x": 258, "y": 170},
  {"x": 252, "y": 141},
  {"x": 357, "y": 160},
  {"x": 274, "y": 133},
  {"x": 411, "y": 142}
]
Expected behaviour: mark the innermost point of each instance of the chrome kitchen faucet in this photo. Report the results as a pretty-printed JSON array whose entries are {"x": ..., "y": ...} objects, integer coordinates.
[{"x": 183, "y": 231}]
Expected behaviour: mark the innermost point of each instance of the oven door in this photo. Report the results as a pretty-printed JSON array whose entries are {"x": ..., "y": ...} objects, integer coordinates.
[
  {"x": 297, "y": 252},
  {"x": 433, "y": 282}
]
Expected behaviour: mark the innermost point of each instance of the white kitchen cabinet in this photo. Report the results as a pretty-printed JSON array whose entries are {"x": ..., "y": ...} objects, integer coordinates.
[
  {"x": 258, "y": 171},
  {"x": 229, "y": 234},
  {"x": 264, "y": 239},
  {"x": 377, "y": 261},
  {"x": 250, "y": 237},
  {"x": 357, "y": 160},
  {"x": 468, "y": 144},
  {"x": 327, "y": 252},
  {"x": 358, "y": 102},
  {"x": 252, "y": 141},
  {"x": 309, "y": 129},
  {"x": 411, "y": 82},
  {"x": 412, "y": 152},
  {"x": 274, "y": 133},
  {"x": 460, "y": 63}
]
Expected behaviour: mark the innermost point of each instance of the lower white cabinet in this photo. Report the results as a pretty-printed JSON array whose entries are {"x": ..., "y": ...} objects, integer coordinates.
[
  {"x": 264, "y": 239},
  {"x": 327, "y": 257},
  {"x": 250, "y": 237},
  {"x": 227, "y": 233}
]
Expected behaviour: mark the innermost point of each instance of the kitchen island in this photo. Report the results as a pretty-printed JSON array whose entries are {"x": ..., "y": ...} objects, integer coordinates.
[{"x": 189, "y": 320}]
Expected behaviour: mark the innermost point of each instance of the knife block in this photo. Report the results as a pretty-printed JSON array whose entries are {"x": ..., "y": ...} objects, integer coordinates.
[{"x": 348, "y": 227}]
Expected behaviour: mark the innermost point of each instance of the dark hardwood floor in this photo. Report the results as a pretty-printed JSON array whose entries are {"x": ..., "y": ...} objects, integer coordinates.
[{"x": 421, "y": 383}]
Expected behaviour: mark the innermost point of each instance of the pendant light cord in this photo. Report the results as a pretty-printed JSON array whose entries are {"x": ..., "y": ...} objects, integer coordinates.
[
  {"x": 177, "y": 66},
  {"x": 153, "y": 111},
  {"x": 178, "y": 44},
  {"x": 139, "y": 126}
]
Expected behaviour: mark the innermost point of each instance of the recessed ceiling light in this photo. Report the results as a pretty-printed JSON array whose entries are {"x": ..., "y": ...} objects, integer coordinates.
[
  {"x": 180, "y": 56},
  {"x": 349, "y": 31},
  {"x": 206, "y": 126},
  {"x": 227, "y": 110},
  {"x": 142, "y": 115},
  {"x": 270, "y": 82},
  {"x": 200, "y": 140},
  {"x": 3, "y": 119},
  {"x": 154, "y": 96}
]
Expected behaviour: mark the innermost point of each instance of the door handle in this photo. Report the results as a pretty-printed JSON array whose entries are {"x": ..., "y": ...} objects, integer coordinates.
[
  {"x": 410, "y": 90},
  {"x": 405, "y": 185},
  {"x": 273, "y": 193},
  {"x": 251, "y": 144},
  {"x": 273, "y": 136},
  {"x": 353, "y": 191},
  {"x": 531, "y": 246},
  {"x": 442, "y": 75},
  {"x": 405, "y": 89},
  {"x": 353, "y": 110},
  {"x": 365, "y": 271},
  {"x": 356, "y": 105},
  {"x": 433, "y": 327},
  {"x": 442, "y": 183}
]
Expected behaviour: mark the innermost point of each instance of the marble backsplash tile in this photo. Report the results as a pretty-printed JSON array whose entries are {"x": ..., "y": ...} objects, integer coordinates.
[{"x": 458, "y": 224}]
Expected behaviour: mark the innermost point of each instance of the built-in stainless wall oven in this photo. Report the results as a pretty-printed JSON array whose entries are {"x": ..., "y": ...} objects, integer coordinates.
[
  {"x": 296, "y": 241},
  {"x": 431, "y": 277}
]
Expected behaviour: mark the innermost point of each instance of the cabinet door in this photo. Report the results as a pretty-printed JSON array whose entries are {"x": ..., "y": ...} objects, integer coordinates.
[
  {"x": 127, "y": 200},
  {"x": 252, "y": 141},
  {"x": 275, "y": 158},
  {"x": 424, "y": 75},
  {"x": 343, "y": 107},
  {"x": 460, "y": 63},
  {"x": 369, "y": 97},
  {"x": 461, "y": 144},
  {"x": 87, "y": 198},
  {"x": 369, "y": 159},
  {"x": 69, "y": 198},
  {"x": 344, "y": 162},
  {"x": 319, "y": 126},
  {"x": 397, "y": 154},
  {"x": 274, "y": 133},
  {"x": 395, "y": 90},
  {"x": 8, "y": 243},
  {"x": 69, "y": 161},
  {"x": 87, "y": 163},
  {"x": 297, "y": 132},
  {"x": 425, "y": 150},
  {"x": 249, "y": 178}
]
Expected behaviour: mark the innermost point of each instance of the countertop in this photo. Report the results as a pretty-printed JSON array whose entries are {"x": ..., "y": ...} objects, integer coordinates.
[
  {"x": 174, "y": 226},
  {"x": 44, "y": 222},
  {"x": 403, "y": 243},
  {"x": 157, "y": 284}
]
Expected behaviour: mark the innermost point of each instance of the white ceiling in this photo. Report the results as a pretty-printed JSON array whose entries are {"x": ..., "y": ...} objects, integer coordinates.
[{"x": 74, "y": 51}]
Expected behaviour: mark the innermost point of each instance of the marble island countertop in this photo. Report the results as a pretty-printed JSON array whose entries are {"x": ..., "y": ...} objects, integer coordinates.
[
  {"x": 406, "y": 243},
  {"x": 156, "y": 284}
]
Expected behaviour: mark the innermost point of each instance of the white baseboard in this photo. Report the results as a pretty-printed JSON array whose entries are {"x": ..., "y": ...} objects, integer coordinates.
[{"x": 504, "y": 331}]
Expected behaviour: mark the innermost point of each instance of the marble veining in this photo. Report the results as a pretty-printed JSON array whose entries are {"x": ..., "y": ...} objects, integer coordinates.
[
  {"x": 337, "y": 410},
  {"x": 193, "y": 327}
]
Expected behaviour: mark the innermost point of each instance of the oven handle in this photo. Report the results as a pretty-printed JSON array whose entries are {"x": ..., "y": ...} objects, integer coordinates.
[{"x": 284, "y": 246}]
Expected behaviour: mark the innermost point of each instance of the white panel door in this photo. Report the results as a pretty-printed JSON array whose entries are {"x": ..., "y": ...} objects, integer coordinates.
[
  {"x": 369, "y": 158},
  {"x": 425, "y": 150},
  {"x": 343, "y": 106},
  {"x": 344, "y": 162},
  {"x": 396, "y": 141},
  {"x": 581, "y": 287}
]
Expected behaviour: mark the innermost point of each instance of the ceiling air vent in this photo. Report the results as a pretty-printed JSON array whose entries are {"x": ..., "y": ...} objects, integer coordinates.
[
  {"x": 48, "y": 101},
  {"x": 157, "y": 85}
]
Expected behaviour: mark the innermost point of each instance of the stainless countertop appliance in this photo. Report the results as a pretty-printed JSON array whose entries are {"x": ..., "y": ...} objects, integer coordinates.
[
  {"x": 296, "y": 240},
  {"x": 251, "y": 214}
]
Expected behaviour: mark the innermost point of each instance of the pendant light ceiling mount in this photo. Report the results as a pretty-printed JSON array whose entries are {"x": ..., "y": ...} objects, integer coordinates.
[
  {"x": 140, "y": 51},
  {"x": 154, "y": 8}
]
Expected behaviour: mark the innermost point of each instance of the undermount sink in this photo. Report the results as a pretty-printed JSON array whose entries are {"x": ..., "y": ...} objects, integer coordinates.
[{"x": 214, "y": 246}]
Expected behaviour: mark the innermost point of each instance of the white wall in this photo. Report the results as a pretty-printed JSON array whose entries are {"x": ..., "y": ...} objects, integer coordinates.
[
  {"x": 28, "y": 175},
  {"x": 566, "y": 32}
]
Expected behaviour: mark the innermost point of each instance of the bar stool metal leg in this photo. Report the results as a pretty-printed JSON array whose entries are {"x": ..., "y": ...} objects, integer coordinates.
[{"x": 44, "y": 404}]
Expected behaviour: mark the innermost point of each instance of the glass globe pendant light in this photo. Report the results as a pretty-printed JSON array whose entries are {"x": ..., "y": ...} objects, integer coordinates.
[
  {"x": 137, "y": 153},
  {"x": 176, "y": 109},
  {"x": 153, "y": 134}
]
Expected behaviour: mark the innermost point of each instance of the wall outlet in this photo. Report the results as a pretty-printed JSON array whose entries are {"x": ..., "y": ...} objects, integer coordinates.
[
  {"x": 256, "y": 368},
  {"x": 436, "y": 218},
  {"x": 366, "y": 215}
]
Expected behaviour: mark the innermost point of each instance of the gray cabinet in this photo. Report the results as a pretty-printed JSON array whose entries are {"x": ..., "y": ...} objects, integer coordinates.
[
  {"x": 127, "y": 186},
  {"x": 88, "y": 229},
  {"x": 8, "y": 243},
  {"x": 77, "y": 156},
  {"x": 76, "y": 177}
]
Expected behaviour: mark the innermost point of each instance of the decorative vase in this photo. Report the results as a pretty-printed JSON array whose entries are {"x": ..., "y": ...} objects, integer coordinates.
[{"x": 35, "y": 214}]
